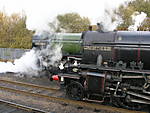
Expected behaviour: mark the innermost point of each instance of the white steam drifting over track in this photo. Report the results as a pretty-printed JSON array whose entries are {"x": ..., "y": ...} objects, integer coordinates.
[{"x": 32, "y": 62}]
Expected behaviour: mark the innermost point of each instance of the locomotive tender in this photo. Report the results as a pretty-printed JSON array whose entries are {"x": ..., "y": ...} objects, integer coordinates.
[{"x": 114, "y": 67}]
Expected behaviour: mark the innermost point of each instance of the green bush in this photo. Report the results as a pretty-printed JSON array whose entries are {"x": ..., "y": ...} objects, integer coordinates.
[
  {"x": 71, "y": 48},
  {"x": 13, "y": 32}
]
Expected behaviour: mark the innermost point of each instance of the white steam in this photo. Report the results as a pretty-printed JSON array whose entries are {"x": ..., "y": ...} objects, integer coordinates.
[
  {"x": 33, "y": 62},
  {"x": 137, "y": 19},
  {"x": 110, "y": 21},
  {"x": 41, "y": 12},
  {"x": 27, "y": 63},
  {"x": 50, "y": 56}
]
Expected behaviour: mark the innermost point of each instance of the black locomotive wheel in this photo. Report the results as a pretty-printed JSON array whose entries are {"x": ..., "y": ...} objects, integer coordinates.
[
  {"x": 115, "y": 101},
  {"x": 125, "y": 103},
  {"x": 75, "y": 91}
]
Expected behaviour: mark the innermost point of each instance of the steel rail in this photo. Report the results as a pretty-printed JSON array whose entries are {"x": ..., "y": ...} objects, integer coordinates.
[
  {"x": 28, "y": 85},
  {"x": 23, "y": 107},
  {"x": 71, "y": 102}
]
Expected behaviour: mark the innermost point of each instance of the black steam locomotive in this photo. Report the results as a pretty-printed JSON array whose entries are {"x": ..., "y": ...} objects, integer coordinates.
[{"x": 114, "y": 67}]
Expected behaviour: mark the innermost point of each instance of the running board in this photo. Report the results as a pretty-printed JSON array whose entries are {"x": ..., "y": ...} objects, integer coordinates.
[
  {"x": 139, "y": 95},
  {"x": 140, "y": 101}
]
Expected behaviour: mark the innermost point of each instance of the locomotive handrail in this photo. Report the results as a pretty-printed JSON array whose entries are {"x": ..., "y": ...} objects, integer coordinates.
[
  {"x": 121, "y": 43},
  {"x": 115, "y": 69}
]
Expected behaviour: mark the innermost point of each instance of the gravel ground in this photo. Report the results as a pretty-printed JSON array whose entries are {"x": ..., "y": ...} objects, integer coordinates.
[
  {"x": 40, "y": 80},
  {"x": 4, "y": 108},
  {"x": 46, "y": 105},
  {"x": 43, "y": 104},
  {"x": 40, "y": 104}
]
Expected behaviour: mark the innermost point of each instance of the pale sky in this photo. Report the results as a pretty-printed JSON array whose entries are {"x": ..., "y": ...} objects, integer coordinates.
[{"x": 40, "y": 12}]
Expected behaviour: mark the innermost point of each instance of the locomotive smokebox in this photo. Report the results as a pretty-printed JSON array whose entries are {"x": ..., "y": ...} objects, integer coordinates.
[{"x": 100, "y": 27}]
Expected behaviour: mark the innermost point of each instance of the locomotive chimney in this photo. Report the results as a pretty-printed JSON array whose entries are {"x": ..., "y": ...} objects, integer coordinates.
[
  {"x": 100, "y": 27},
  {"x": 90, "y": 28}
]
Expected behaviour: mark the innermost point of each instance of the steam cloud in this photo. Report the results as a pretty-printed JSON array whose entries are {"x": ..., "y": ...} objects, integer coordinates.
[
  {"x": 27, "y": 63},
  {"x": 34, "y": 61},
  {"x": 137, "y": 19},
  {"x": 50, "y": 56},
  {"x": 108, "y": 23}
]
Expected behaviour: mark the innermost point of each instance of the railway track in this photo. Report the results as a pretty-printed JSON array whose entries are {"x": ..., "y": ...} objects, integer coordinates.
[
  {"x": 46, "y": 93},
  {"x": 27, "y": 85},
  {"x": 11, "y": 107}
]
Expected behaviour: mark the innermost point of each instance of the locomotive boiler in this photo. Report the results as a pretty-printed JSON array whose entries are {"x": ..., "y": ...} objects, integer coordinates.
[
  {"x": 114, "y": 68},
  {"x": 129, "y": 48}
]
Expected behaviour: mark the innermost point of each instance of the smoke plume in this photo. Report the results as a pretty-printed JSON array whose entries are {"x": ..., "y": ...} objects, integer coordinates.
[
  {"x": 137, "y": 19},
  {"x": 50, "y": 56},
  {"x": 34, "y": 61},
  {"x": 110, "y": 21},
  {"x": 27, "y": 63}
]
